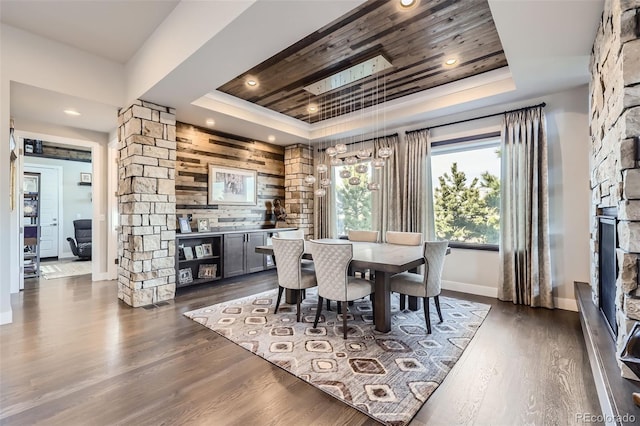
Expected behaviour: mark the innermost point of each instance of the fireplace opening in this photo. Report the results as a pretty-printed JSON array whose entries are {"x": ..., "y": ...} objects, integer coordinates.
[{"x": 608, "y": 272}]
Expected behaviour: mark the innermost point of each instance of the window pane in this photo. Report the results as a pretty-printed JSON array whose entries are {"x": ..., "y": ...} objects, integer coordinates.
[
  {"x": 466, "y": 192},
  {"x": 353, "y": 204}
]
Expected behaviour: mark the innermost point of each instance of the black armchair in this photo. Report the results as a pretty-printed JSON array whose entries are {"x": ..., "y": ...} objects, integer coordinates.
[{"x": 81, "y": 247}]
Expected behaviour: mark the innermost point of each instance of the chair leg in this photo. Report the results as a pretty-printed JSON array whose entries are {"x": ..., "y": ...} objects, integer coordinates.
[
  {"x": 344, "y": 319},
  {"x": 339, "y": 307},
  {"x": 425, "y": 302},
  {"x": 403, "y": 302},
  {"x": 318, "y": 312},
  {"x": 328, "y": 305},
  {"x": 298, "y": 299},
  {"x": 437, "y": 299},
  {"x": 280, "y": 290}
]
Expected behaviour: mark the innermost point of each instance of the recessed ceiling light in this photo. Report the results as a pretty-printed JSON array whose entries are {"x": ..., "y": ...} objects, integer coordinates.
[
  {"x": 451, "y": 61},
  {"x": 252, "y": 83},
  {"x": 271, "y": 138},
  {"x": 71, "y": 112},
  {"x": 312, "y": 108},
  {"x": 407, "y": 3},
  {"x": 210, "y": 122}
]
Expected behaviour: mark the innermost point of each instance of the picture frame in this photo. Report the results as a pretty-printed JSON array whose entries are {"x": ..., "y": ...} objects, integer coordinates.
[
  {"x": 188, "y": 253},
  {"x": 232, "y": 186},
  {"x": 199, "y": 251},
  {"x": 185, "y": 226},
  {"x": 85, "y": 177},
  {"x": 203, "y": 225},
  {"x": 185, "y": 276},
  {"x": 207, "y": 249},
  {"x": 207, "y": 270},
  {"x": 30, "y": 184}
]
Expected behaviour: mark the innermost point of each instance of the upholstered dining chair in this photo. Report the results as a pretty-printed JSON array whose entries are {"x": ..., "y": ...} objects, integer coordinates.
[
  {"x": 404, "y": 238},
  {"x": 332, "y": 262},
  {"x": 297, "y": 234},
  {"x": 291, "y": 275},
  {"x": 366, "y": 236},
  {"x": 427, "y": 285}
]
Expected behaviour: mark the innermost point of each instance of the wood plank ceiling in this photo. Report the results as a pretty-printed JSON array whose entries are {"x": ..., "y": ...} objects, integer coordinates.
[{"x": 417, "y": 41}]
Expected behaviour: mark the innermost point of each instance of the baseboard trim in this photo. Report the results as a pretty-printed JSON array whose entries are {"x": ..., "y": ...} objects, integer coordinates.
[
  {"x": 100, "y": 276},
  {"x": 565, "y": 304},
  {"x": 6, "y": 317},
  {"x": 478, "y": 290}
]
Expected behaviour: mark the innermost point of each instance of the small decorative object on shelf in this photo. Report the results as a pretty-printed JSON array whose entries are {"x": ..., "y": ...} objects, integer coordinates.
[
  {"x": 279, "y": 211},
  {"x": 207, "y": 270},
  {"x": 85, "y": 177},
  {"x": 199, "y": 251},
  {"x": 184, "y": 276},
  {"x": 203, "y": 225},
  {"x": 188, "y": 253},
  {"x": 207, "y": 249},
  {"x": 185, "y": 227}
]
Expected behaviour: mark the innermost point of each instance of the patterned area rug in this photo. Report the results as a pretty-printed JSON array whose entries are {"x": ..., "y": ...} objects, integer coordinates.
[
  {"x": 387, "y": 376},
  {"x": 65, "y": 269}
]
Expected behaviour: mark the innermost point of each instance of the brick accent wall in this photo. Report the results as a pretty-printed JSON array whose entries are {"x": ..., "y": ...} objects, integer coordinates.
[
  {"x": 298, "y": 163},
  {"x": 146, "y": 203}
]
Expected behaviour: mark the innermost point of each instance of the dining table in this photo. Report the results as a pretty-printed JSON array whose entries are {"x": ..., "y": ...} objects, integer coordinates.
[{"x": 383, "y": 260}]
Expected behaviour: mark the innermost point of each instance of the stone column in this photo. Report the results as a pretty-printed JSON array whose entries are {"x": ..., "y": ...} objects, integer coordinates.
[
  {"x": 147, "y": 204},
  {"x": 298, "y": 163},
  {"x": 615, "y": 175}
]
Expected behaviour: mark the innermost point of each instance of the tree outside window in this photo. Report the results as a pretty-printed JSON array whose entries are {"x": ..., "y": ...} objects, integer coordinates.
[
  {"x": 466, "y": 193},
  {"x": 353, "y": 204}
]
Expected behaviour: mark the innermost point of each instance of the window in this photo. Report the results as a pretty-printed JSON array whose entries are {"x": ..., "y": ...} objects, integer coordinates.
[
  {"x": 466, "y": 192},
  {"x": 353, "y": 204}
]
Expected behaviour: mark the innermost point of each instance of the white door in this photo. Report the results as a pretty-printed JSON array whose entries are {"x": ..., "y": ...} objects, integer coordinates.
[{"x": 49, "y": 199}]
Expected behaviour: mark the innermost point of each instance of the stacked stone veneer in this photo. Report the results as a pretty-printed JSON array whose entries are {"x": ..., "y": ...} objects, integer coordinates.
[
  {"x": 147, "y": 204},
  {"x": 615, "y": 175},
  {"x": 298, "y": 163}
]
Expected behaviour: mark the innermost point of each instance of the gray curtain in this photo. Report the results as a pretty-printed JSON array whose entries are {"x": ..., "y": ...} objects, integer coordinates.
[
  {"x": 416, "y": 188},
  {"x": 525, "y": 276},
  {"x": 387, "y": 216},
  {"x": 321, "y": 205}
]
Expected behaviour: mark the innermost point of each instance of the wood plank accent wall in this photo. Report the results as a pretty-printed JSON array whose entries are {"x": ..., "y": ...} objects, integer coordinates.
[{"x": 197, "y": 148}]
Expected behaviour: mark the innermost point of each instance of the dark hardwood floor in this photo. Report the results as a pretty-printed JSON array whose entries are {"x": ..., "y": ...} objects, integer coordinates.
[{"x": 74, "y": 354}]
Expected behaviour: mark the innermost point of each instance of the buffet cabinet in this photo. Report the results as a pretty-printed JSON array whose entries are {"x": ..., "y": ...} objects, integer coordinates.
[{"x": 203, "y": 257}]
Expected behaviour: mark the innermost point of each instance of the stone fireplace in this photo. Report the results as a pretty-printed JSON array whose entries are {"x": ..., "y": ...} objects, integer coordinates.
[{"x": 615, "y": 169}]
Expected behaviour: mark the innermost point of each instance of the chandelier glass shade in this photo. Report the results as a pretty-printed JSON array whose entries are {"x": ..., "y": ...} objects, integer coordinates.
[
  {"x": 331, "y": 151},
  {"x": 325, "y": 182},
  {"x": 363, "y": 153},
  {"x": 354, "y": 181},
  {"x": 345, "y": 174},
  {"x": 385, "y": 152},
  {"x": 341, "y": 148},
  {"x": 310, "y": 179},
  {"x": 320, "y": 192},
  {"x": 378, "y": 163},
  {"x": 335, "y": 161},
  {"x": 321, "y": 168},
  {"x": 362, "y": 168},
  {"x": 373, "y": 186},
  {"x": 351, "y": 160}
]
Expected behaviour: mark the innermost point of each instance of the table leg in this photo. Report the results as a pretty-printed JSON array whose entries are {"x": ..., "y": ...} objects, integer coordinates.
[{"x": 383, "y": 302}]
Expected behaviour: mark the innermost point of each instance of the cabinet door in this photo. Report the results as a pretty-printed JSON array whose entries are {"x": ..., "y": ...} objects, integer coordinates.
[
  {"x": 233, "y": 255},
  {"x": 255, "y": 261}
]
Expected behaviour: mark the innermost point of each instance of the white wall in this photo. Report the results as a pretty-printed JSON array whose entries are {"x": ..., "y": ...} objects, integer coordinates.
[
  {"x": 569, "y": 197},
  {"x": 75, "y": 199}
]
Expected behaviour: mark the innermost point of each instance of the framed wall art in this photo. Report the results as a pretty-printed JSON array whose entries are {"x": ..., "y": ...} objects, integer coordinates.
[{"x": 234, "y": 186}]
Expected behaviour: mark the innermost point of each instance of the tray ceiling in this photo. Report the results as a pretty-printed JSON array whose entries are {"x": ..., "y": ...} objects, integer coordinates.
[{"x": 417, "y": 41}]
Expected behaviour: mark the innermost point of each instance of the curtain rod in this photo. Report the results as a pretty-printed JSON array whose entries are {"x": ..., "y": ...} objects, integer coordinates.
[
  {"x": 543, "y": 104},
  {"x": 366, "y": 140}
]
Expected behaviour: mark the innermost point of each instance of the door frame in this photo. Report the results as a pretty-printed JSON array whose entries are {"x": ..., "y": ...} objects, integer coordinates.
[
  {"x": 98, "y": 170},
  {"x": 60, "y": 201}
]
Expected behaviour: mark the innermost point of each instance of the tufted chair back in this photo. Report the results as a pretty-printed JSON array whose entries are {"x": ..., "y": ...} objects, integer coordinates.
[
  {"x": 288, "y": 253},
  {"x": 434, "y": 254},
  {"x": 331, "y": 263},
  {"x": 366, "y": 236},
  {"x": 404, "y": 238}
]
